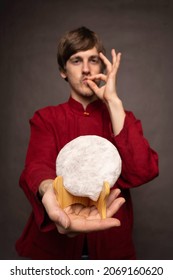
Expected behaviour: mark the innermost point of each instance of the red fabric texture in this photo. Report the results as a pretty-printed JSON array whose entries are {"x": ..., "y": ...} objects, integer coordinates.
[{"x": 51, "y": 128}]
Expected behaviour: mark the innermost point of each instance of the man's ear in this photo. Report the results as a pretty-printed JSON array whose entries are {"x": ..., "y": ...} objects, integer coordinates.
[{"x": 63, "y": 74}]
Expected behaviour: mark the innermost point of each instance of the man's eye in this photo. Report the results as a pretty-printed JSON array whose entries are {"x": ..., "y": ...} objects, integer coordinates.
[
  {"x": 75, "y": 61},
  {"x": 95, "y": 60}
]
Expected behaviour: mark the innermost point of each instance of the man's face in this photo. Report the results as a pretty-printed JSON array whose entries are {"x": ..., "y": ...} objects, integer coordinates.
[{"x": 80, "y": 66}]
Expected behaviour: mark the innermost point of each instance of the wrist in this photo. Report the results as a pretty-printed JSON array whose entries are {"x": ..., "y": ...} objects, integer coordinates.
[
  {"x": 114, "y": 104},
  {"x": 117, "y": 115}
]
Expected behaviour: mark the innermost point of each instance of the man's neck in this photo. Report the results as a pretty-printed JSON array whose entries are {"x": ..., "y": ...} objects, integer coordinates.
[{"x": 84, "y": 100}]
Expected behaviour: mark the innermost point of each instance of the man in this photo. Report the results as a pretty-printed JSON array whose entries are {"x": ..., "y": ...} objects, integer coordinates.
[{"x": 94, "y": 108}]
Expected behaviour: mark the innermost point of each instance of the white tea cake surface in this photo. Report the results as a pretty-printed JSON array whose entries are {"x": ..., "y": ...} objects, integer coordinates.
[{"x": 85, "y": 163}]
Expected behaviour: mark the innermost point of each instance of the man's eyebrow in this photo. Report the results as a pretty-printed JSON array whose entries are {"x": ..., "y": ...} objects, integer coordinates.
[
  {"x": 80, "y": 57},
  {"x": 76, "y": 56},
  {"x": 94, "y": 55}
]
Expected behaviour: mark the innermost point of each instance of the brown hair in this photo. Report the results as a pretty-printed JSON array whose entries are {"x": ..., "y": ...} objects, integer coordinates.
[{"x": 80, "y": 39}]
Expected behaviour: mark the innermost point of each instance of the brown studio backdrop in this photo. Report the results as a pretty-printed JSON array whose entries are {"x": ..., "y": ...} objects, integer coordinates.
[{"x": 142, "y": 31}]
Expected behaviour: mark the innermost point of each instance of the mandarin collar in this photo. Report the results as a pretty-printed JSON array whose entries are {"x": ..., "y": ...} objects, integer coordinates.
[{"x": 78, "y": 107}]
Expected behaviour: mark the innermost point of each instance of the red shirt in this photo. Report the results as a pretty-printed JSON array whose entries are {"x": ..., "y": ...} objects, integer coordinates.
[{"x": 53, "y": 127}]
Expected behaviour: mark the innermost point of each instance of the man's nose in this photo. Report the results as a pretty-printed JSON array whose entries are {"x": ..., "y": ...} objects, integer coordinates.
[{"x": 85, "y": 68}]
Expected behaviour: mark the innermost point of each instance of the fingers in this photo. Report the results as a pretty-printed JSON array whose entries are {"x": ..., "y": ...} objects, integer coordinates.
[
  {"x": 97, "y": 224},
  {"x": 86, "y": 225},
  {"x": 97, "y": 78},
  {"x": 109, "y": 78},
  {"x": 114, "y": 206},
  {"x": 75, "y": 219},
  {"x": 112, "y": 196},
  {"x": 94, "y": 82},
  {"x": 93, "y": 86},
  {"x": 106, "y": 62},
  {"x": 116, "y": 58}
]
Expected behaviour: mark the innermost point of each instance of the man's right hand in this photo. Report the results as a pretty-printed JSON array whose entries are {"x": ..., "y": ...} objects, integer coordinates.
[{"x": 78, "y": 218}]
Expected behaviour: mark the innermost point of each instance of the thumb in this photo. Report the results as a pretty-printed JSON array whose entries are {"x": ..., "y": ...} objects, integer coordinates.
[
  {"x": 93, "y": 86},
  {"x": 53, "y": 209}
]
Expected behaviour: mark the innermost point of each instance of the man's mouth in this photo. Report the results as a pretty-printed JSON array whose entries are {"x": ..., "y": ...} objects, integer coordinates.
[{"x": 84, "y": 81}]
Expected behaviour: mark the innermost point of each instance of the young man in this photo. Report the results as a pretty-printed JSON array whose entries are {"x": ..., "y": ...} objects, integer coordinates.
[{"x": 94, "y": 108}]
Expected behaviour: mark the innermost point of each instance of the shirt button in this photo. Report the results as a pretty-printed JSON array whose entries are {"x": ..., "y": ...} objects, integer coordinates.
[{"x": 86, "y": 113}]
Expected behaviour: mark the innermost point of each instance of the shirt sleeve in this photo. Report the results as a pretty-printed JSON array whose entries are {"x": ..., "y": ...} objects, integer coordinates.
[
  {"x": 139, "y": 160},
  {"x": 39, "y": 165}
]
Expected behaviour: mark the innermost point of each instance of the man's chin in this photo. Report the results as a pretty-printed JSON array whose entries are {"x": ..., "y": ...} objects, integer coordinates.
[{"x": 88, "y": 94}]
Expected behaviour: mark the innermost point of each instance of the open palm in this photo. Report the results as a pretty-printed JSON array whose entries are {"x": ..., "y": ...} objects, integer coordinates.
[{"x": 86, "y": 219}]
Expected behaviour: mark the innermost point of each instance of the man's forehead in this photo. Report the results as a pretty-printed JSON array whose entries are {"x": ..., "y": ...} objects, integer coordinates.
[{"x": 87, "y": 53}]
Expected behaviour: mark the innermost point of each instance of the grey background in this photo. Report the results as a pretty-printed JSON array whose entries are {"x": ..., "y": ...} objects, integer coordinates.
[{"x": 143, "y": 32}]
